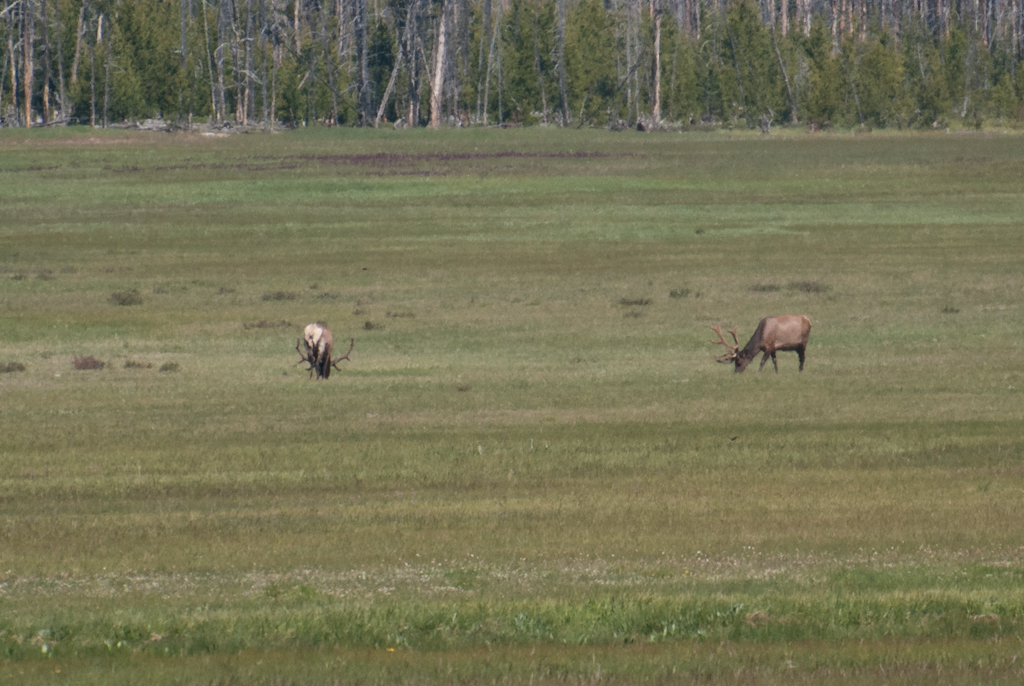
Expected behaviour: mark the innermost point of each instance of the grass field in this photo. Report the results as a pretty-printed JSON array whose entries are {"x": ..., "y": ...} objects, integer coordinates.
[{"x": 532, "y": 470}]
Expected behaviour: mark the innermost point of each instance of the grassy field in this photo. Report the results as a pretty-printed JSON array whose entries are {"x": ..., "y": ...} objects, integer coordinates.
[{"x": 532, "y": 470}]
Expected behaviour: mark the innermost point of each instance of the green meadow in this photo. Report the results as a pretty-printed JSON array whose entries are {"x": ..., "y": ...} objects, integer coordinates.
[{"x": 532, "y": 470}]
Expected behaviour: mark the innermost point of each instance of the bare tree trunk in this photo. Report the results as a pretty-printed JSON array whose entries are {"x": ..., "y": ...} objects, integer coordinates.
[
  {"x": 78, "y": 40},
  {"x": 47, "y": 74},
  {"x": 394, "y": 72},
  {"x": 12, "y": 58},
  {"x": 362, "y": 51},
  {"x": 560, "y": 62},
  {"x": 27, "y": 58},
  {"x": 785, "y": 76},
  {"x": 484, "y": 41},
  {"x": 298, "y": 31},
  {"x": 209, "y": 65},
  {"x": 656, "y": 110},
  {"x": 250, "y": 66},
  {"x": 412, "y": 50},
  {"x": 92, "y": 82},
  {"x": 183, "y": 55},
  {"x": 107, "y": 53},
  {"x": 487, "y": 76},
  {"x": 835, "y": 27},
  {"x": 784, "y": 18},
  {"x": 440, "y": 57}
]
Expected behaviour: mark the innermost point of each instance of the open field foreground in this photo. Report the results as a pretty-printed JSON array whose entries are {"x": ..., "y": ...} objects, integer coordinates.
[{"x": 532, "y": 470}]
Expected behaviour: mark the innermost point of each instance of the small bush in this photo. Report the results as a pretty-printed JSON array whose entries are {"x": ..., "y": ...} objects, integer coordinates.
[
  {"x": 125, "y": 298},
  {"x": 764, "y": 288},
  {"x": 370, "y": 326},
  {"x": 327, "y": 296},
  {"x": 359, "y": 311},
  {"x": 11, "y": 367},
  {"x": 132, "y": 364},
  {"x": 635, "y": 302},
  {"x": 462, "y": 389},
  {"x": 45, "y": 275},
  {"x": 807, "y": 286},
  {"x": 88, "y": 362},
  {"x": 20, "y": 276},
  {"x": 280, "y": 295},
  {"x": 169, "y": 367},
  {"x": 679, "y": 293},
  {"x": 950, "y": 310}
]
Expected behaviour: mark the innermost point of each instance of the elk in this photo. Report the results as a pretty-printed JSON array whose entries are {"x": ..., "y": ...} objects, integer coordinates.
[
  {"x": 315, "y": 348},
  {"x": 788, "y": 332}
]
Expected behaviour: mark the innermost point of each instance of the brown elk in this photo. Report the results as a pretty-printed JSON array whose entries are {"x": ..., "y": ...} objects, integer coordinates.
[
  {"x": 317, "y": 344},
  {"x": 788, "y": 332}
]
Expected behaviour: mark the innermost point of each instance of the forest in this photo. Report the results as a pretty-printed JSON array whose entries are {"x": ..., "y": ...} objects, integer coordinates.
[{"x": 648, "y": 64}]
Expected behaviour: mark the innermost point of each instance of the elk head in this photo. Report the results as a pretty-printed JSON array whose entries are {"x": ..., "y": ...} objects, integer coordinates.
[
  {"x": 315, "y": 348},
  {"x": 733, "y": 355}
]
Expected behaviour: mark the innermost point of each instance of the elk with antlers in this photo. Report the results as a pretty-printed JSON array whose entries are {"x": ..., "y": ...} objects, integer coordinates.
[
  {"x": 788, "y": 332},
  {"x": 317, "y": 344}
]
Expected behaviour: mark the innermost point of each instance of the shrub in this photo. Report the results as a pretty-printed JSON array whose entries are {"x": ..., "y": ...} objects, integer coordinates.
[
  {"x": 169, "y": 367},
  {"x": 807, "y": 286},
  {"x": 125, "y": 298},
  {"x": 12, "y": 367},
  {"x": 679, "y": 293},
  {"x": 264, "y": 324},
  {"x": 88, "y": 362},
  {"x": 370, "y": 326},
  {"x": 132, "y": 364},
  {"x": 280, "y": 295},
  {"x": 635, "y": 302},
  {"x": 764, "y": 288}
]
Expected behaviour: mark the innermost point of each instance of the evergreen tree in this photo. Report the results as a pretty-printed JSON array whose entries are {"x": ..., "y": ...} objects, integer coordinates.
[{"x": 590, "y": 64}]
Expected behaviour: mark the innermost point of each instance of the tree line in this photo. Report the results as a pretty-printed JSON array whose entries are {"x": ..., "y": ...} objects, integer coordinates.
[{"x": 615, "y": 63}]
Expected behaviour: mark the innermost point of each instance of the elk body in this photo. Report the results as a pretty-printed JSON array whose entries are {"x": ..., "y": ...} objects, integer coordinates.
[
  {"x": 788, "y": 332},
  {"x": 315, "y": 348}
]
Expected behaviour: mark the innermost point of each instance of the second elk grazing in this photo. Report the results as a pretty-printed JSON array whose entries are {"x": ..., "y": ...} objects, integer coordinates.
[
  {"x": 788, "y": 332},
  {"x": 316, "y": 347}
]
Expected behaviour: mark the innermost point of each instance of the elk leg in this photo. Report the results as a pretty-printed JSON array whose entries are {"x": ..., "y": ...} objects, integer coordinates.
[
  {"x": 775, "y": 364},
  {"x": 763, "y": 360},
  {"x": 800, "y": 352}
]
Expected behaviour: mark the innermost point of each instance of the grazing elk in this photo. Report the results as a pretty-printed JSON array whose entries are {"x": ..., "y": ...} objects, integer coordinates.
[
  {"x": 317, "y": 344},
  {"x": 788, "y": 332}
]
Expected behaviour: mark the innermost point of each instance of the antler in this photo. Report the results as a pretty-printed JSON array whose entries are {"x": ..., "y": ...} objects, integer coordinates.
[
  {"x": 352, "y": 344},
  {"x": 733, "y": 349}
]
